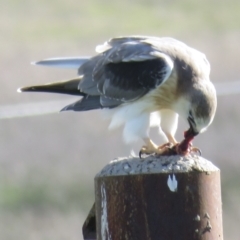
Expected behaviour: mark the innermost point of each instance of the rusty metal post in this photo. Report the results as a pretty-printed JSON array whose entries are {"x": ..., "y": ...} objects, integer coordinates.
[
  {"x": 164, "y": 198},
  {"x": 89, "y": 227}
]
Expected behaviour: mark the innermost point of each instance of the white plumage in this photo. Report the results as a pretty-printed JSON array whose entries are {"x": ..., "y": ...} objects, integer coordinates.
[{"x": 139, "y": 79}]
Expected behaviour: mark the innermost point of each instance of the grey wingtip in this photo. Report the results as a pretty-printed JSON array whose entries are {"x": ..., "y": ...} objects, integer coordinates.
[
  {"x": 42, "y": 62},
  {"x": 63, "y": 109},
  {"x": 67, "y": 108}
]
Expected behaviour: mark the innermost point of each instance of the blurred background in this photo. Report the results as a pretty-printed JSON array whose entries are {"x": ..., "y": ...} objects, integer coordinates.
[{"x": 48, "y": 162}]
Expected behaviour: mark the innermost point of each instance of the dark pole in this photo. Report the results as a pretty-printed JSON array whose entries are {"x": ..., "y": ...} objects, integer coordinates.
[{"x": 164, "y": 198}]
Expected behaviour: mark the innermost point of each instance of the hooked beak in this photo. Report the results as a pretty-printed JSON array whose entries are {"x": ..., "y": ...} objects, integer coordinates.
[{"x": 191, "y": 132}]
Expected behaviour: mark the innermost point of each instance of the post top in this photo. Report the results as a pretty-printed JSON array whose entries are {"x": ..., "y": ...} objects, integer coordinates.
[{"x": 157, "y": 164}]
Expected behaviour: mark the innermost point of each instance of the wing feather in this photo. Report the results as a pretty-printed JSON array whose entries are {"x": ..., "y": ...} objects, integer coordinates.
[
  {"x": 67, "y": 62},
  {"x": 125, "y": 72}
]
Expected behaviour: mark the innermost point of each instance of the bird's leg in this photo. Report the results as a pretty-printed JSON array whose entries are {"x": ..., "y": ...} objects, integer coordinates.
[
  {"x": 169, "y": 121},
  {"x": 171, "y": 141},
  {"x": 166, "y": 148},
  {"x": 171, "y": 138}
]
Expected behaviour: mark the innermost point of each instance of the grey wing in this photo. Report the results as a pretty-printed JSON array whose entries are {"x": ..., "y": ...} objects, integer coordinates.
[
  {"x": 114, "y": 42},
  {"x": 124, "y": 72}
]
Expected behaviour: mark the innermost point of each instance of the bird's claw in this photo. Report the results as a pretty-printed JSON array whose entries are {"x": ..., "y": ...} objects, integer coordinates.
[
  {"x": 145, "y": 150},
  {"x": 158, "y": 150},
  {"x": 169, "y": 149},
  {"x": 196, "y": 150},
  {"x": 177, "y": 150},
  {"x": 166, "y": 146}
]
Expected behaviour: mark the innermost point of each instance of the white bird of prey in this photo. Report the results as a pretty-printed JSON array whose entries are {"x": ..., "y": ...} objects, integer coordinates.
[{"x": 136, "y": 76}]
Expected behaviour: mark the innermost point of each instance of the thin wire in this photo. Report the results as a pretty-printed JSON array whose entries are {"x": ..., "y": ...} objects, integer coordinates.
[{"x": 32, "y": 109}]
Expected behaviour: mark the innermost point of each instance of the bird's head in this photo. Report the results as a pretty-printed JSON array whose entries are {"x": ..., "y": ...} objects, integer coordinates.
[
  {"x": 201, "y": 110},
  {"x": 196, "y": 124}
]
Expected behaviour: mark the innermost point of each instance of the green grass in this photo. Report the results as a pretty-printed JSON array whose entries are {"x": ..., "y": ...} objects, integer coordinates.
[
  {"x": 68, "y": 20},
  {"x": 43, "y": 197}
]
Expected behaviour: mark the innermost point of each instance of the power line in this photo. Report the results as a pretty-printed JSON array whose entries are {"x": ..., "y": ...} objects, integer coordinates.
[
  {"x": 32, "y": 109},
  {"x": 228, "y": 88}
]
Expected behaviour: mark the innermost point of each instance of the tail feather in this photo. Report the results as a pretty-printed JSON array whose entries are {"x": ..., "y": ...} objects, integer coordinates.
[
  {"x": 84, "y": 104},
  {"x": 64, "y": 87}
]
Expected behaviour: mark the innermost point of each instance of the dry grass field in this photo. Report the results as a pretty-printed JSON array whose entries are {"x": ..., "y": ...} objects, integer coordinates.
[{"x": 48, "y": 162}]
